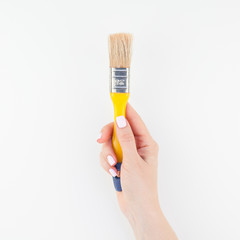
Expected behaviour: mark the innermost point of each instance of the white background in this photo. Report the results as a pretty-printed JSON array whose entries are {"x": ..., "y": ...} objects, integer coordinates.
[{"x": 54, "y": 99}]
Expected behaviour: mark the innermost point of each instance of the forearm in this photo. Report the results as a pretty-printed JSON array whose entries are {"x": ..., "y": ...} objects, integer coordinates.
[{"x": 151, "y": 224}]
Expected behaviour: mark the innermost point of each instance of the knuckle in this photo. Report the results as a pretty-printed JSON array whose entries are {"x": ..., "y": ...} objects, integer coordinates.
[
  {"x": 102, "y": 162},
  {"x": 103, "y": 129},
  {"x": 105, "y": 148},
  {"x": 126, "y": 137},
  {"x": 106, "y": 127},
  {"x": 101, "y": 156},
  {"x": 155, "y": 146}
]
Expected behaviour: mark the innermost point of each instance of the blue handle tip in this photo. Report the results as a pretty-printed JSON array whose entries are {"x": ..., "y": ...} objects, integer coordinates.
[{"x": 116, "y": 180}]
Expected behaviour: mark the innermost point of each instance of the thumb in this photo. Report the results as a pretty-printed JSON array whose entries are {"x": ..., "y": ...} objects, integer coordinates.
[{"x": 125, "y": 137}]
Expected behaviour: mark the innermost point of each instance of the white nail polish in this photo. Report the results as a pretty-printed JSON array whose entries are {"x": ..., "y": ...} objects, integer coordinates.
[
  {"x": 121, "y": 121},
  {"x": 110, "y": 160},
  {"x": 99, "y": 136},
  {"x": 112, "y": 172}
]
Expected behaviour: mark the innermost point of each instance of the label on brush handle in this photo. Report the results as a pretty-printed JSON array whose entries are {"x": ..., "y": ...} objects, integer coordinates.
[{"x": 119, "y": 80}]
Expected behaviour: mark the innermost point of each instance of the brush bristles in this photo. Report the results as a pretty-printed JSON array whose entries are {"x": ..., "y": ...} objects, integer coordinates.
[{"x": 120, "y": 50}]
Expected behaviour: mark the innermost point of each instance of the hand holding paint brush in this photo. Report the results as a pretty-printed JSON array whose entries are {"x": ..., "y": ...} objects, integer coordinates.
[{"x": 127, "y": 143}]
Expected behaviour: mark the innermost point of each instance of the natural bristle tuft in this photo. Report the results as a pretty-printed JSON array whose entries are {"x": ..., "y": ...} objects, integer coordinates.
[{"x": 120, "y": 50}]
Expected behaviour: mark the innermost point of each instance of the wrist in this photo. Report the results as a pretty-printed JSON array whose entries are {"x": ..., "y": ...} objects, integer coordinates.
[
  {"x": 150, "y": 224},
  {"x": 145, "y": 220}
]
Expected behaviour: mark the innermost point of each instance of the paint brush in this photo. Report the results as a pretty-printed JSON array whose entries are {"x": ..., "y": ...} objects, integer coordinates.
[{"x": 120, "y": 49}]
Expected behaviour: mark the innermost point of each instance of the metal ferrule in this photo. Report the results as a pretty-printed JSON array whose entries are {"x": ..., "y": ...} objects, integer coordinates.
[{"x": 119, "y": 80}]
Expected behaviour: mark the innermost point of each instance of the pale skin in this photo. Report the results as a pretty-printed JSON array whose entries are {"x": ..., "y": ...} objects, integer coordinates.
[{"x": 139, "y": 197}]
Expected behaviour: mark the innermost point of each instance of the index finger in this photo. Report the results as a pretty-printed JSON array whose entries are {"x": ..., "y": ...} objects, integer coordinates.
[{"x": 106, "y": 133}]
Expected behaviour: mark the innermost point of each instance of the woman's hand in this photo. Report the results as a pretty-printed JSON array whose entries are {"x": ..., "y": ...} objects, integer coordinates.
[{"x": 139, "y": 197}]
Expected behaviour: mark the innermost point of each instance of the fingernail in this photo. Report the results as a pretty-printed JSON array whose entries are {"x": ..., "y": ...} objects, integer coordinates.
[
  {"x": 121, "y": 121},
  {"x": 111, "y": 160},
  {"x": 99, "y": 136},
  {"x": 112, "y": 172}
]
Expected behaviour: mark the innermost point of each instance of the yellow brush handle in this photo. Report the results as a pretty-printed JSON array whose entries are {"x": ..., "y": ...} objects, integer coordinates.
[{"x": 119, "y": 103}]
